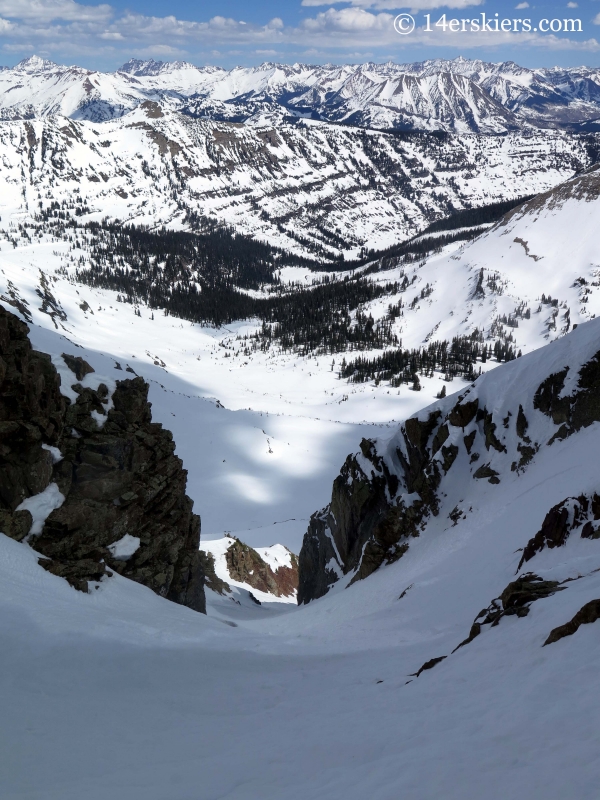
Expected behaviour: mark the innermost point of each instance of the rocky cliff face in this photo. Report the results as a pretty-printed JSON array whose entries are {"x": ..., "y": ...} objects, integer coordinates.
[
  {"x": 124, "y": 506},
  {"x": 439, "y": 461},
  {"x": 245, "y": 565},
  {"x": 240, "y": 573}
]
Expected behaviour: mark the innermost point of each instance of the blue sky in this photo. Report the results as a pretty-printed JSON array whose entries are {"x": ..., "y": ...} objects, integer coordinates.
[{"x": 230, "y": 32}]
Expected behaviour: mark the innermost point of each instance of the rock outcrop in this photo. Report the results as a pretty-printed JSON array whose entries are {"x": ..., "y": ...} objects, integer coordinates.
[
  {"x": 386, "y": 493},
  {"x": 32, "y": 413},
  {"x": 125, "y": 507},
  {"x": 245, "y": 565},
  {"x": 586, "y": 615},
  {"x": 571, "y": 411},
  {"x": 562, "y": 519},
  {"x": 373, "y": 511},
  {"x": 515, "y": 600},
  {"x": 211, "y": 579}
]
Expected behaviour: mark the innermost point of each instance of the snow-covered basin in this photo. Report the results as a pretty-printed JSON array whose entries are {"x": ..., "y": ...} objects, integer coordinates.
[{"x": 262, "y": 442}]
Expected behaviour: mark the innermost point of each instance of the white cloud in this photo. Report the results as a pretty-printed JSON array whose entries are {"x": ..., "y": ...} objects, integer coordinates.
[
  {"x": 416, "y": 5},
  {"x": 597, "y": 19},
  {"x": 355, "y": 27},
  {"x": 572, "y": 5},
  {"x": 49, "y": 10},
  {"x": 521, "y": 6},
  {"x": 159, "y": 51},
  {"x": 135, "y": 27},
  {"x": 349, "y": 20}
]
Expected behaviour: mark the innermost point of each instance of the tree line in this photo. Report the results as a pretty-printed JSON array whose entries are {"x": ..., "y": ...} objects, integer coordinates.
[{"x": 457, "y": 358}]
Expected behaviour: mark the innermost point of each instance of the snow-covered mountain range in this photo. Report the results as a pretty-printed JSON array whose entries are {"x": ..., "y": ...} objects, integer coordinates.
[
  {"x": 459, "y": 95},
  {"x": 315, "y": 189}
]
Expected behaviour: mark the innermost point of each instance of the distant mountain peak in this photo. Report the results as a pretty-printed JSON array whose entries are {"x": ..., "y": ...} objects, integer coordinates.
[
  {"x": 136, "y": 66},
  {"x": 140, "y": 68},
  {"x": 35, "y": 64}
]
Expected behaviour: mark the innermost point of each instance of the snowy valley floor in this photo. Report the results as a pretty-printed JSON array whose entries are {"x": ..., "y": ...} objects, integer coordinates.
[{"x": 262, "y": 437}]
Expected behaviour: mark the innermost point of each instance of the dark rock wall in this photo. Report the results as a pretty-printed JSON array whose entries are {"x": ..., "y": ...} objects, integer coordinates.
[
  {"x": 121, "y": 478},
  {"x": 378, "y": 504},
  {"x": 32, "y": 412},
  {"x": 365, "y": 525}
]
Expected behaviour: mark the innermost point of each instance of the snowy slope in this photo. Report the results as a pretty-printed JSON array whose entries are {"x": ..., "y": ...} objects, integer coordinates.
[
  {"x": 125, "y": 694},
  {"x": 528, "y": 279}
]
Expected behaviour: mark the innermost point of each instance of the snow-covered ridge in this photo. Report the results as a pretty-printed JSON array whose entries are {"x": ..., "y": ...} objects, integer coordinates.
[
  {"x": 460, "y": 95},
  {"x": 318, "y": 190},
  {"x": 530, "y": 278}
]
